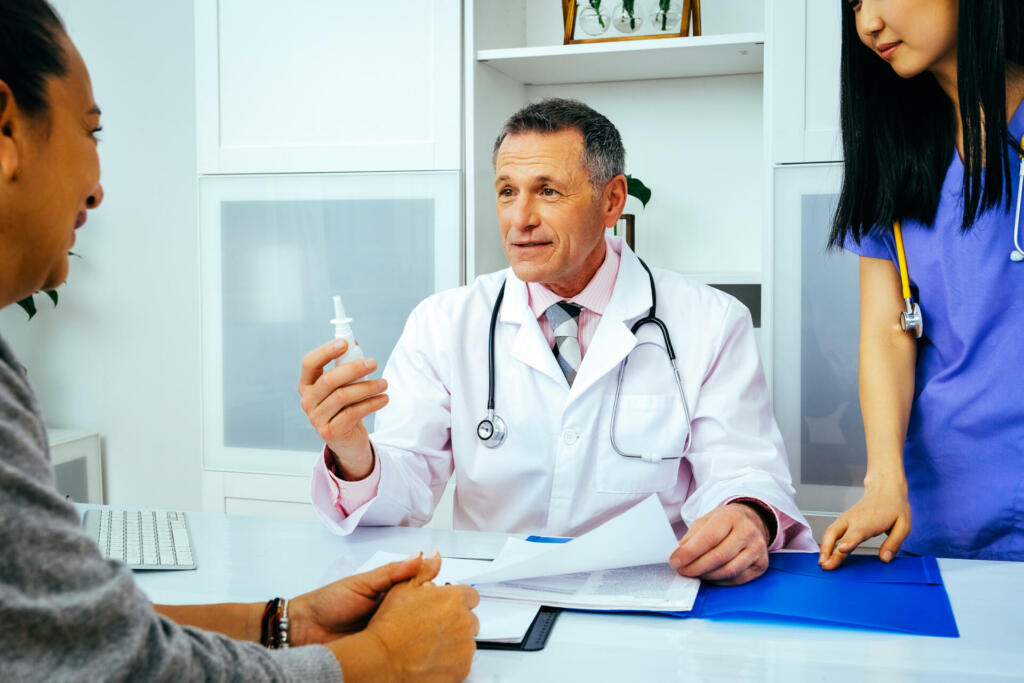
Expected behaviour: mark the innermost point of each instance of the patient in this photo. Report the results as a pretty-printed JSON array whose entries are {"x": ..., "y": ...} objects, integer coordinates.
[{"x": 65, "y": 612}]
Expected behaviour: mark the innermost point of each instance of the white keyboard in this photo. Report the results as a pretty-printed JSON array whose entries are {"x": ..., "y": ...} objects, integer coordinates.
[{"x": 142, "y": 539}]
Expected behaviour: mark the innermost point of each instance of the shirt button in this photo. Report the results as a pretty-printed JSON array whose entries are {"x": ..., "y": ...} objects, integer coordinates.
[{"x": 570, "y": 437}]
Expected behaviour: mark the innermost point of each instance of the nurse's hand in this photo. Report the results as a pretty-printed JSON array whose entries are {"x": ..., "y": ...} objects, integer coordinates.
[
  {"x": 336, "y": 403},
  {"x": 729, "y": 545},
  {"x": 883, "y": 509}
]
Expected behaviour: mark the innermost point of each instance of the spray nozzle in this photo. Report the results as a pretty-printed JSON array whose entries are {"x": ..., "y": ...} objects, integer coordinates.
[{"x": 339, "y": 312}]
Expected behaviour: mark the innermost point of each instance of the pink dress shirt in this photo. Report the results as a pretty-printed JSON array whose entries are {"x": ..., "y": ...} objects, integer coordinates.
[{"x": 352, "y": 495}]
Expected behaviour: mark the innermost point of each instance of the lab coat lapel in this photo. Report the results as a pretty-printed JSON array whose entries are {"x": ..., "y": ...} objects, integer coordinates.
[
  {"x": 612, "y": 340},
  {"x": 530, "y": 346}
]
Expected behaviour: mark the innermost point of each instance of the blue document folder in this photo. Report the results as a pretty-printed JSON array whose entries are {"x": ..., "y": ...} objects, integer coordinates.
[{"x": 906, "y": 595}]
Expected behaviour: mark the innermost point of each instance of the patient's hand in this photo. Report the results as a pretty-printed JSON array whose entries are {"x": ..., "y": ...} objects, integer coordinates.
[{"x": 729, "y": 545}]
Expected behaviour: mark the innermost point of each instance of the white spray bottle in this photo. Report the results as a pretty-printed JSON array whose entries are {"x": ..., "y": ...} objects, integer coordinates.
[{"x": 343, "y": 330}]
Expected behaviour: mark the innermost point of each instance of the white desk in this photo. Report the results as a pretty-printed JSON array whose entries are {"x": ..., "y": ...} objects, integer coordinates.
[{"x": 248, "y": 559}]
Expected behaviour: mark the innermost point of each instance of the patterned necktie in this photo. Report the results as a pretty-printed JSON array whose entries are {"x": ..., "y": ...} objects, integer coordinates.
[{"x": 565, "y": 322}]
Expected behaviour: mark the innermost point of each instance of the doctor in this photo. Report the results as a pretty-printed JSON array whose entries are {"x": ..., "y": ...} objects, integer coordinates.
[{"x": 561, "y": 332}]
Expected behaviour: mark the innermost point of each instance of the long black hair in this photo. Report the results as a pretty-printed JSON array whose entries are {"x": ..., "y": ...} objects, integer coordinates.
[
  {"x": 898, "y": 134},
  {"x": 30, "y": 51}
]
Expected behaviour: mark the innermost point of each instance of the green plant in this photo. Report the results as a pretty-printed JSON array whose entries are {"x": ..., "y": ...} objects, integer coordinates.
[
  {"x": 664, "y": 6},
  {"x": 627, "y": 7},
  {"x": 596, "y": 4},
  {"x": 636, "y": 188},
  {"x": 29, "y": 303}
]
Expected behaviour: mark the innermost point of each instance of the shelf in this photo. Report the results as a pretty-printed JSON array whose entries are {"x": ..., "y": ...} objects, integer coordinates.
[{"x": 720, "y": 55}]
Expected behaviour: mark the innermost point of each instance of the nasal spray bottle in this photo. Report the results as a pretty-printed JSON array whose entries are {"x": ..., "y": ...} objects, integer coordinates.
[{"x": 342, "y": 330}]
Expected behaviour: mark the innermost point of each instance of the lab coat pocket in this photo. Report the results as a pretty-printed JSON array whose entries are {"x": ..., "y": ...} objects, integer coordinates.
[{"x": 644, "y": 425}]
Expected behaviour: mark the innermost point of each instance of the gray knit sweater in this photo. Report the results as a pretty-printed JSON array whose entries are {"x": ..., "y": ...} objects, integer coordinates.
[{"x": 67, "y": 614}]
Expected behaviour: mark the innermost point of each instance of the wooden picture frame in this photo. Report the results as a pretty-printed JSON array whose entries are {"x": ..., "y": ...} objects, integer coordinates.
[{"x": 574, "y": 35}]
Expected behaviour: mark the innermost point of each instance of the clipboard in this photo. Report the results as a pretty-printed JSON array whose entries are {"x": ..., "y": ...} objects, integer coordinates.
[{"x": 536, "y": 636}]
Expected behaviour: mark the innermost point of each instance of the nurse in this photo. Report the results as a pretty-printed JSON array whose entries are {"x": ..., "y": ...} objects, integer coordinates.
[
  {"x": 561, "y": 331},
  {"x": 932, "y": 127}
]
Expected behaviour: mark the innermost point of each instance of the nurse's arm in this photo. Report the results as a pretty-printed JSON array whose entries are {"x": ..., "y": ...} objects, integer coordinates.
[{"x": 887, "y": 359}]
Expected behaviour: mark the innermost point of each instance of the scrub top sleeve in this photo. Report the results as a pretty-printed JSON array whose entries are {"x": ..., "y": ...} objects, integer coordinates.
[{"x": 877, "y": 244}]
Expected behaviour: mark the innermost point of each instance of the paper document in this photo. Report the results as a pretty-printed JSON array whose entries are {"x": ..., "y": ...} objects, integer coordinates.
[
  {"x": 621, "y": 565},
  {"x": 652, "y": 587},
  {"x": 639, "y": 536}
]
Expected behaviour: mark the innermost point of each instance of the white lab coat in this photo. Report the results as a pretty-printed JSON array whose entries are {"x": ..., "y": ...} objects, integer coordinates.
[{"x": 556, "y": 473}]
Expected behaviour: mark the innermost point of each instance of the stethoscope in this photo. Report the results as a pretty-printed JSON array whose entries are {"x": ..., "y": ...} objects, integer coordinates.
[
  {"x": 492, "y": 430},
  {"x": 911, "y": 320}
]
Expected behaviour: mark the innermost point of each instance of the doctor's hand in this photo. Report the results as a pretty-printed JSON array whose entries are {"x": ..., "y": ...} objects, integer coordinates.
[
  {"x": 729, "y": 545},
  {"x": 335, "y": 401},
  {"x": 420, "y": 632},
  {"x": 884, "y": 508}
]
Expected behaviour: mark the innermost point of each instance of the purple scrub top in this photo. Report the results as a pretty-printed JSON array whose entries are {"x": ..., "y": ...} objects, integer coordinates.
[{"x": 964, "y": 455}]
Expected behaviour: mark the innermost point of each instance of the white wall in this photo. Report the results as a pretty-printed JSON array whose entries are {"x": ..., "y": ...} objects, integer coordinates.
[{"x": 120, "y": 355}]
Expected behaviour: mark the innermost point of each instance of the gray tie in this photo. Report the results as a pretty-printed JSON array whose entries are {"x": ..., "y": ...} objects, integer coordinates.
[{"x": 565, "y": 322}]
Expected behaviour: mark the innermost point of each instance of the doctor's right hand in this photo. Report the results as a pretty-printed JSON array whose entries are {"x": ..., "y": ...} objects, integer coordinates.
[{"x": 336, "y": 400}]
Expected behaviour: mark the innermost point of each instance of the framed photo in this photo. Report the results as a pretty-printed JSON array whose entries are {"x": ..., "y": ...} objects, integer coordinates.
[{"x": 598, "y": 21}]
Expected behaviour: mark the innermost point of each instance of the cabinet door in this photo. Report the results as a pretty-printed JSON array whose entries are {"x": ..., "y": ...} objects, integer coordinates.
[
  {"x": 273, "y": 252},
  {"x": 327, "y": 85},
  {"x": 803, "y": 87},
  {"x": 816, "y": 331}
]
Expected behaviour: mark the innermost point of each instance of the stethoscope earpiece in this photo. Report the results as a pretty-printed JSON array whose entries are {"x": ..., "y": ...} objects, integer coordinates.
[{"x": 1017, "y": 256}]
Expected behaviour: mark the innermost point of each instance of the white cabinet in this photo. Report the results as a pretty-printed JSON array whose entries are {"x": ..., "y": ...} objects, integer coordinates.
[
  {"x": 327, "y": 85},
  {"x": 329, "y": 155},
  {"x": 273, "y": 251},
  {"x": 803, "y": 84}
]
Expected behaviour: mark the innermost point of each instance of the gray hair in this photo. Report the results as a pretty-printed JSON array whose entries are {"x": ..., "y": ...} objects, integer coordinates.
[{"x": 603, "y": 154}]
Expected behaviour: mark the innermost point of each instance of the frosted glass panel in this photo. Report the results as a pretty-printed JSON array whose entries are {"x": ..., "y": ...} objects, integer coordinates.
[
  {"x": 815, "y": 330},
  {"x": 832, "y": 433},
  {"x": 274, "y": 251},
  {"x": 282, "y": 261}
]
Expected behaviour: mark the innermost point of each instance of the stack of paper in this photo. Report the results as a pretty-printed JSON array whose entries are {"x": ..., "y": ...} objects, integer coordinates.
[{"x": 621, "y": 565}]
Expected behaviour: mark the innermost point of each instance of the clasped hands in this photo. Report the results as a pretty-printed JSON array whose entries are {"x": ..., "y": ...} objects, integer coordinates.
[{"x": 392, "y": 623}]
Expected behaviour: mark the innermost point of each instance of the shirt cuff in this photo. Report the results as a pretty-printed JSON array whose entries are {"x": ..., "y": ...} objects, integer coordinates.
[
  {"x": 352, "y": 495},
  {"x": 768, "y": 514}
]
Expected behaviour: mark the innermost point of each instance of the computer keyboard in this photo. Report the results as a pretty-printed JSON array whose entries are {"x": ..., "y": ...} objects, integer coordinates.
[{"x": 142, "y": 539}]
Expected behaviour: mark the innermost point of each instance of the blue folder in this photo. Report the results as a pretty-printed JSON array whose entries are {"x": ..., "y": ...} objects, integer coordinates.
[{"x": 906, "y": 595}]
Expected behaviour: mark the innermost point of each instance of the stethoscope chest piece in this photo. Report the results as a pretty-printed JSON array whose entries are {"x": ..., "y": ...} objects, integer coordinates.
[
  {"x": 911, "y": 320},
  {"x": 491, "y": 430}
]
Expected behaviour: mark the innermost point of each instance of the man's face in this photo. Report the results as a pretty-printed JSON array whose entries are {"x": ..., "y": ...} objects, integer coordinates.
[
  {"x": 58, "y": 178},
  {"x": 552, "y": 220}
]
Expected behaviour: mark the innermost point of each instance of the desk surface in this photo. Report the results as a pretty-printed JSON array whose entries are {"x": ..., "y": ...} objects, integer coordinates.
[{"x": 249, "y": 559}]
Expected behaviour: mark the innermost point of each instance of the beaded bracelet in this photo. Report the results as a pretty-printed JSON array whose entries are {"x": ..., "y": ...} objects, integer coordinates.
[{"x": 274, "y": 625}]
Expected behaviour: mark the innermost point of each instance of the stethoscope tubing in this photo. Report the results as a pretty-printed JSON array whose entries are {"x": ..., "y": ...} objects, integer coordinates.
[
  {"x": 912, "y": 319},
  {"x": 492, "y": 430}
]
